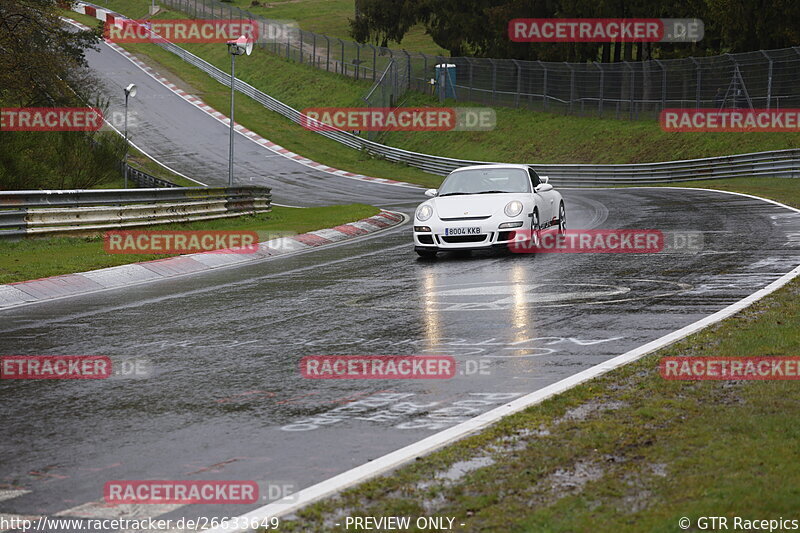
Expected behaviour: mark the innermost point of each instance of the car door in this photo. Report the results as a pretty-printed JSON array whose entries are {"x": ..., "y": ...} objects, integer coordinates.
[{"x": 544, "y": 200}]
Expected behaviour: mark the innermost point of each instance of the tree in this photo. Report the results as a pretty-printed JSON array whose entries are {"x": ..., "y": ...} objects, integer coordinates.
[
  {"x": 381, "y": 21},
  {"x": 41, "y": 61}
]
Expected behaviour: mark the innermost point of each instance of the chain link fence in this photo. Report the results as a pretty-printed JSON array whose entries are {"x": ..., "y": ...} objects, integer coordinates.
[{"x": 625, "y": 90}]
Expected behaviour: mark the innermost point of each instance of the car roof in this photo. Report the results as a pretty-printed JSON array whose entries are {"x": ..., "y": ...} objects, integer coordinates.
[{"x": 494, "y": 165}]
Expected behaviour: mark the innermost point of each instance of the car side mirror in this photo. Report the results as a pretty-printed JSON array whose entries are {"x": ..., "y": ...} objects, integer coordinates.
[
  {"x": 544, "y": 179},
  {"x": 431, "y": 192},
  {"x": 543, "y": 187}
]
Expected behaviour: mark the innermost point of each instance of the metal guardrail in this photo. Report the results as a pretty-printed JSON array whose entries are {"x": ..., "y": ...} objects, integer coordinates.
[
  {"x": 26, "y": 213},
  {"x": 143, "y": 179},
  {"x": 785, "y": 163}
]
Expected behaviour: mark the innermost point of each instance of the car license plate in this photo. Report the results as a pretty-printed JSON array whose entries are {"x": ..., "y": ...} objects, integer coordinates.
[{"x": 462, "y": 231}]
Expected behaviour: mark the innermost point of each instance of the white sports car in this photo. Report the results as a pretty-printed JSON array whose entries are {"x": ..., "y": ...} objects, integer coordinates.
[{"x": 484, "y": 206}]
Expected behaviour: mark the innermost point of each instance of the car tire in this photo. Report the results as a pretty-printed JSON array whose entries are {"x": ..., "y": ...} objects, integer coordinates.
[
  {"x": 562, "y": 218},
  {"x": 426, "y": 254},
  {"x": 536, "y": 230}
]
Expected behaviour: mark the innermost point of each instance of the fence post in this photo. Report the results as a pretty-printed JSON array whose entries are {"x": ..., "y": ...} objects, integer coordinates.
[
  {"x": 698, "y": 82},
  {"x": 663, "y": 83},
  {"x": 344, "y": 66},
  {"x": 769, "y": 78},
  {"x": 544, "y": 85},
  {"x": 425, "y": 80},
  {"x": 494, "y": 79},
  {"x": 314, "y": 49},
  {"x": 469, "y": 96},
  {"x": 375, "y": 60},
  {"x": 602, "y": 87},
  {"x": 441, "y": 78},
  {"x": 358, "y": 59},
  {"x": 571, "y": 85},
  {"x": 301, "y": 45},
  {"x": 408, "y": 64},
  {"x": 519, "y": 82},
  {"x": 327, "y": 54},
  {"x": 633, "y": 87}
]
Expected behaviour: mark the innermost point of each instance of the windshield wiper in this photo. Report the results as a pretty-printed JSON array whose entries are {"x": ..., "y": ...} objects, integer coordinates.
[
  {"x": 454, "y": 193},
  {"x": 492, "y": 192}
]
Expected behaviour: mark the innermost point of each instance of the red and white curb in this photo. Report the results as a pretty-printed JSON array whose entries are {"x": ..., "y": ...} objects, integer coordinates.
[
  {"x": 55, "y": 287},
  {"x": 111, "y": 17}
]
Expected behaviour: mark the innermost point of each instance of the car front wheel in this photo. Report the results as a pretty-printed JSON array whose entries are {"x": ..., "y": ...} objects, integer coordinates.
[{"x": 536, "y": 230}]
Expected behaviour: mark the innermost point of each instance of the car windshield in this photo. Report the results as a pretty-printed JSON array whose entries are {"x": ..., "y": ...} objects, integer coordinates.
[{"x": 485, "y": 181}]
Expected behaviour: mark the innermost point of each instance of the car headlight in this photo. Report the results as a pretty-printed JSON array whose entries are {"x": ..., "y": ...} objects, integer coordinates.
[
  {"x": 424, "y": 212},
  {"x": 513, "y": 208}
]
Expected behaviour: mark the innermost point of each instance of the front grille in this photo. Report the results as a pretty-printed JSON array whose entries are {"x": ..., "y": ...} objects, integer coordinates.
[
  {"x": 455, "y": 239},
  {"x": 465, "y": 218}
]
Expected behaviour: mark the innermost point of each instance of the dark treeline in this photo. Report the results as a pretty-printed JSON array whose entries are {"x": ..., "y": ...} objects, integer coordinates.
[
  {"x": 480, "y": 27},
  {"x": 43, "y": 64}
]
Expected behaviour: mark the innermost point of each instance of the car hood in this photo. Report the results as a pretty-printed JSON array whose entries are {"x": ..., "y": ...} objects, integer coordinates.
[{"x": 472, "y": 205}]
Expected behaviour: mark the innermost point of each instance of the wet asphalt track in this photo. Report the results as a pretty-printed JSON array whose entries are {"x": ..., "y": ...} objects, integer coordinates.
[{"x": 224, "y": 398}]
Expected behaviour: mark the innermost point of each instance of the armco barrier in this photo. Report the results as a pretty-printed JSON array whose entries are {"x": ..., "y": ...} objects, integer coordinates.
[
  {"x": 27, "y": 213},
  {"x": 784, "y": 163},
  {"x": 143, "y": 179}
]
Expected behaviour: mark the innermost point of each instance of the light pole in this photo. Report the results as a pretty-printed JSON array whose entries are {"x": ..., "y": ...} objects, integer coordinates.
[
  {"x": 238, "y": 47},
  {"x": 130, "y": 91}
]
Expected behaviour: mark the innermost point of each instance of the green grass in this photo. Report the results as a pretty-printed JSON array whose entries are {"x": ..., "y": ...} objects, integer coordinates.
[
  {"x": 649, "y": 452},
  {"x": 330, "y": 17},
  {"x": 520, "y": 135},
  {"x": 35, "y": 258}
]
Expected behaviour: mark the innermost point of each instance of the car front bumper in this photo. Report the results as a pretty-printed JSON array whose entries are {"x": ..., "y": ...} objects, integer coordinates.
[{"x": 432, "y": 234}]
